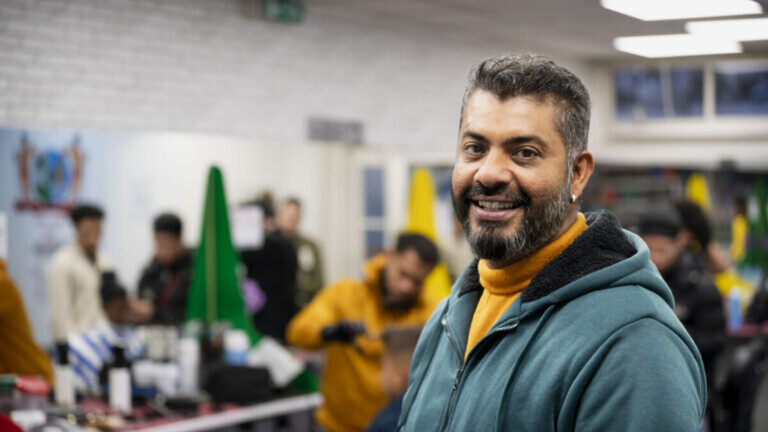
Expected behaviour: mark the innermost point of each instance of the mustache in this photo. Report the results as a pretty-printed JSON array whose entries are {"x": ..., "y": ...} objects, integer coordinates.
[{"x": 501, "y": 191}]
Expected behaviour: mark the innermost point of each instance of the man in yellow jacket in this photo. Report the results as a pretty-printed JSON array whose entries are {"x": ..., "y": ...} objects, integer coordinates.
[{"x": 347, "y": 318}]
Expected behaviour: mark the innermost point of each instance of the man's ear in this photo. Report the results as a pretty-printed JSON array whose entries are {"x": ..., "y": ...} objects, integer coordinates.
[{"x": 581, "y": 171}]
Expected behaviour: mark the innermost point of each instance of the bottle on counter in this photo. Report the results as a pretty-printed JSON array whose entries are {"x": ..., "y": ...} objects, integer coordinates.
[
  {"x": 64, "y": 390},
  {"x": 120, "y": 382},
  {"x": 236, "y": 344},
  {"x": 189, "y": 365},
  {"x": 735, "y": 318}
]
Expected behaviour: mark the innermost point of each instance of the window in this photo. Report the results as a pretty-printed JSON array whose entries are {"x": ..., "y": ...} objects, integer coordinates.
[
  {"x": 687, "y": 92},
  {"x": 373, "y": 192},
  {"x": 638, "y": 94},
  {"x": 658, "y": 93},
  {"x": 374, "y": 243},
  {"x": 741, "y": 91},
  {"x": 373, "y": 199}
]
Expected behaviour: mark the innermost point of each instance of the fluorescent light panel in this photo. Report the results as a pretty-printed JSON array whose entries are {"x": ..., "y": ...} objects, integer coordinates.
[
  {"x": 657, "y": 10},
  {"x": 676, "y": 45},
  {"x": 749, "y": 29}
]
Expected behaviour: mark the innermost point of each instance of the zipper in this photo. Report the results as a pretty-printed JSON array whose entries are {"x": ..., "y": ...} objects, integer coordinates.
[
  {"x": 460, "y": 358},
  {"x": 462, "y": 365},
  {"x": 499, "y": 330}
]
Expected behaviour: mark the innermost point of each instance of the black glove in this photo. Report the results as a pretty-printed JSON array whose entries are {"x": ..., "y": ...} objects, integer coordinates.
[{"x": 343, "y": 331}]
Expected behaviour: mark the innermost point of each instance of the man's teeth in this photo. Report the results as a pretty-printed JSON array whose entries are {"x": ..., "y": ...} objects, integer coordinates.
[{"x": 495, "y": 205}]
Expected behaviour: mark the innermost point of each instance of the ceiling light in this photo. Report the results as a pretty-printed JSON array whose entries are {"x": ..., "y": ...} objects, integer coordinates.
[
  {"x": 656, "y": 10},
  {"x": 750, "y": 29},
  {"x": 676, "y": 45}
]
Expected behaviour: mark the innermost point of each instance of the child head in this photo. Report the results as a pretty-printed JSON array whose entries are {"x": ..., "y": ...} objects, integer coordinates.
[
  {"x": 399, "y": 344},
  {"x": 114, "y": 299}
]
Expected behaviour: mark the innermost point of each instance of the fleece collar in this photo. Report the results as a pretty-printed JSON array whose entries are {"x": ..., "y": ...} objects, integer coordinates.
[{"x": 601, "y": 245}]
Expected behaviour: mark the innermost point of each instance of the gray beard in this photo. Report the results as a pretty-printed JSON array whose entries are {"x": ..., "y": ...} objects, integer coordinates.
[{"x": 539, "y": 226}]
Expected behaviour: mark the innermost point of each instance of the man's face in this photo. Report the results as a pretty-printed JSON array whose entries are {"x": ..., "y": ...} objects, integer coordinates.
[
  {"x": 511, "y": 185},
  {"x": 288, "y": 218},
  {"x": 404, "y": 275},
  {"x": 168, "y": 247},
  {"x": 664, "y": 251},
  {"x": 88, "y": 233}
]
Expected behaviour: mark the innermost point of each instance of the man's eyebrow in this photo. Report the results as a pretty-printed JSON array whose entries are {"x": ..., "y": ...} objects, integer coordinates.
[
  {"x": 526, "y": 139},
  {"x": 522, "y": 139},
  {"x": 475, "y": 136}
]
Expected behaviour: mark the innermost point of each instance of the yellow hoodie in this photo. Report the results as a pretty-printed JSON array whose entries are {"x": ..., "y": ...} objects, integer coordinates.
[{"x": 351, "y": 382}]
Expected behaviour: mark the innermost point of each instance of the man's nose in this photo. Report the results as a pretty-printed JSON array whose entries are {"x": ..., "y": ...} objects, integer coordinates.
[
  {"x": 409, "y": 287},
  {"x": 495, "y": 169}
]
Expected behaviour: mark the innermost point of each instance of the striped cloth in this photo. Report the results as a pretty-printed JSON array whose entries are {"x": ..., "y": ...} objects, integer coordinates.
[{"x": 89, "y": 351}]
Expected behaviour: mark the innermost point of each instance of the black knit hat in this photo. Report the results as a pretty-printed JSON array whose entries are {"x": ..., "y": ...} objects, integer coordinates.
[{"x": 664, "y": 222}]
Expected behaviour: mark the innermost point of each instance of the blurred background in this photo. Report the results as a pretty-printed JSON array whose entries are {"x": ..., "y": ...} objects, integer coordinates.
[{"x": 127, "y": 104}]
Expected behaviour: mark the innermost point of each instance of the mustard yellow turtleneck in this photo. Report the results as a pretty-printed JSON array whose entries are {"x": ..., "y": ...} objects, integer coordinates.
[{"x": 501, "y": 287}]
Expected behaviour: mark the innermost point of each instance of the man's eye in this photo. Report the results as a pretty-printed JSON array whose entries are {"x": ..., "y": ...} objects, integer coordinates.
[
  {"x": 526, "y": 153},
  {"x": 473, "y": 148}
]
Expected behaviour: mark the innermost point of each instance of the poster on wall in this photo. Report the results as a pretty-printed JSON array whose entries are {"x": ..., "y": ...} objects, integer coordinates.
[
  {"x": 49, "y": 178},
  {"x": 42, "y": 175}
]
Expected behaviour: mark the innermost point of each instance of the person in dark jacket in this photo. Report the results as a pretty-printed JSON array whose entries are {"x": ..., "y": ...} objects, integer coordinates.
[
  {"x": 757, "y": 313},
  {"x": 273, "y": 267},
  {"x": 166, "y": 279},
  {"x": 698, "y": 303},
  {"x": 696, "y": 230}
]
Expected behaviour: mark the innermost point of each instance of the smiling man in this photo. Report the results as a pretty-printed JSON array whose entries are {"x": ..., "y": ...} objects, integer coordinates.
[{"x": 562, "y": 323}]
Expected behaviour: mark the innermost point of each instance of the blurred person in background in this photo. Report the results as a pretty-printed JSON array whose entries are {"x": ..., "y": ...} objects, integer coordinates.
[
  {"x": 399, "y": 344},
  {"x": 698, "y": 303},
  {"x": 165, "y": 281},
  {"x": 347, "y": 319},
  {"x": 273, "y": 267},
  {"x": 739, "y": 229},
  {"x": 19, "y": 353},
  {"x": 561, "y": 323},
  {"x": 74, "y": 276},
  {"x": 309, "y": 278},
  {"x": 696, "y": 233},
  {"x": 91, "y": 350}
]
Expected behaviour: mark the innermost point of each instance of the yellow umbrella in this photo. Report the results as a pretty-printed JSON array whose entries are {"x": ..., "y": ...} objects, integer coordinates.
[{"x": 421, "y": 220}]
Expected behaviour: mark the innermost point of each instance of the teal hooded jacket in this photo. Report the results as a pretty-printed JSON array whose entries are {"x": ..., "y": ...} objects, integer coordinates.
[{"x": 592, "y": 344}]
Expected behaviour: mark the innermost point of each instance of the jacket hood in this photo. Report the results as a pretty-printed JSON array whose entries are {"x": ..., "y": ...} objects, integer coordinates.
[{"x": 603, "y": 256}]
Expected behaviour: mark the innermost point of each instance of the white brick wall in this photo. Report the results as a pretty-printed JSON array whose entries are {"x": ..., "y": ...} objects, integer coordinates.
[{"x": 206, "y": 66}]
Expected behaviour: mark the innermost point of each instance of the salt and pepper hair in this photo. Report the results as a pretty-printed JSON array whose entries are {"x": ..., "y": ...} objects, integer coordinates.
[{"x": 540, "y": 77}]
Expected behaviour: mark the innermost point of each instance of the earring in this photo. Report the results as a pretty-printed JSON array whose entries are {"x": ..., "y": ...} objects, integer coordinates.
[{"x": 573, "y": 198}]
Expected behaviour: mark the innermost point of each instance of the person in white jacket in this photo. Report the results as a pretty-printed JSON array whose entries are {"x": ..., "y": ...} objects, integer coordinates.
[{"x": 74, "y": 276}]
